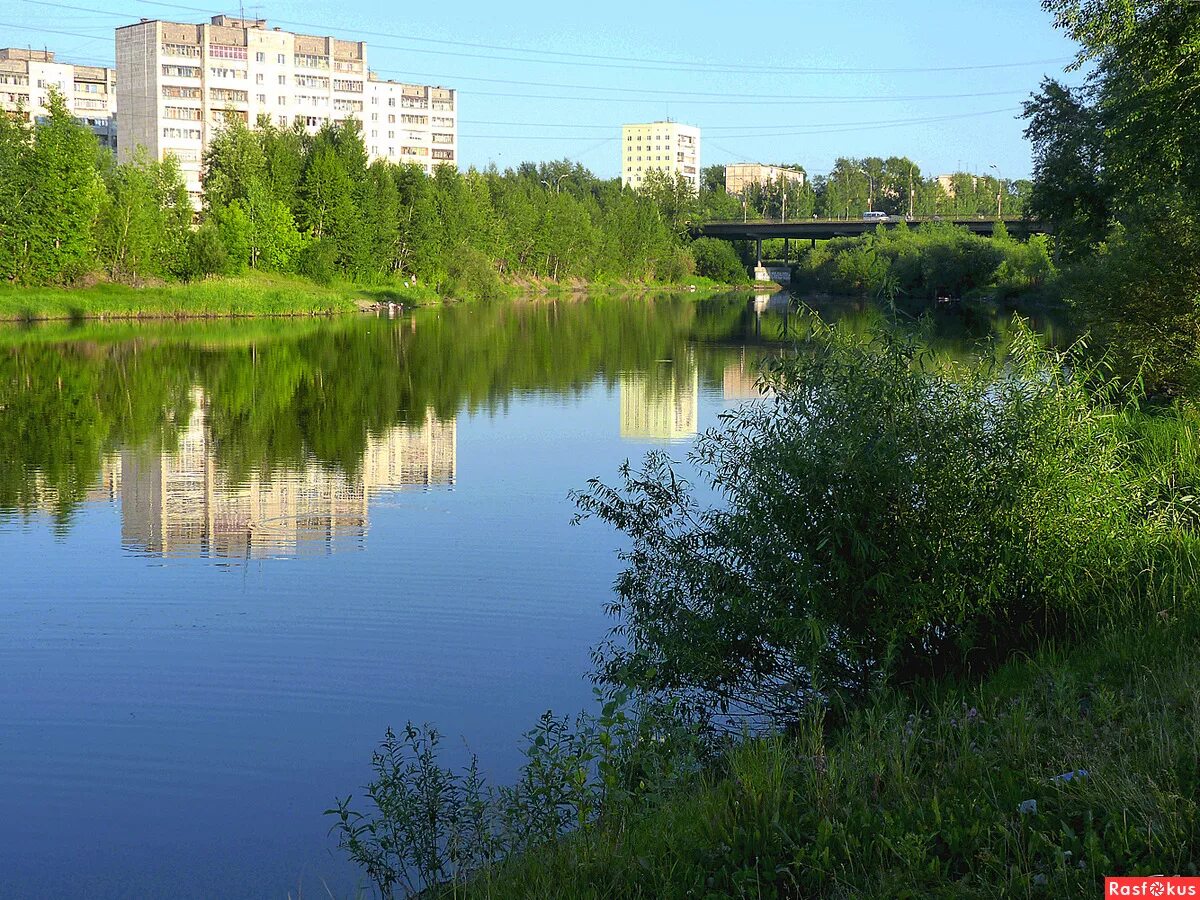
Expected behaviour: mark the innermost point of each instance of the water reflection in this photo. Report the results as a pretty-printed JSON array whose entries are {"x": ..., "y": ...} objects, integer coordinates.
[
  {"x": 141, "y": 702},
  {"x": 180, "y": 502},
  {"x": 741, "y": 378},
  {"x": 662, "y": 403}
]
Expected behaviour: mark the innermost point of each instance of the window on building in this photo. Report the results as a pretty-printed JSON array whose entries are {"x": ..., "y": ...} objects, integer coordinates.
[
  {"x": 260, "y": 57},
  {"x": 280, "y": 58}
]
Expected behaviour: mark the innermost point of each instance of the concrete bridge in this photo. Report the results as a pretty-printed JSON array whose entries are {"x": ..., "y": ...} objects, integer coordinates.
[{"x": 823, "y": 229}]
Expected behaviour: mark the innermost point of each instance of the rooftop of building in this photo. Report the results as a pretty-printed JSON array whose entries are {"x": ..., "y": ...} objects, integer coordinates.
[{"x": 23, "y": 54}]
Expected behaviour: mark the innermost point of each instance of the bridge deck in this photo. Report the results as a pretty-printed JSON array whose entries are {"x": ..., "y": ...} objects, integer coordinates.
[{"x": 819, "y": 229}]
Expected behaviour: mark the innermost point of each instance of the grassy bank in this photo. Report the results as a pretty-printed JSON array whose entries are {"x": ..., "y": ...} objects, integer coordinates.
[
  {"x": 259, "y": 295},
  {"x": 951, "y": 790},
  {"x": 251, "y": 295}
]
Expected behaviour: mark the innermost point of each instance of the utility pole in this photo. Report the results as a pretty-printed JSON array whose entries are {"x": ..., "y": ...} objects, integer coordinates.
[
  {"x": 870, "y": 190},
  {"x": 910, "y": 191},
  {"x": 999, "y": 190}
]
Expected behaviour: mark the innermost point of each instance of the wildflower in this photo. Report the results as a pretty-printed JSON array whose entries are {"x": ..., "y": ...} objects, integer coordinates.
[{"x": 1071, "y": 776}]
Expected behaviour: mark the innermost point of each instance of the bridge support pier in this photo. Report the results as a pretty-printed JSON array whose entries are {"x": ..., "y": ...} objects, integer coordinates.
[
  {"x": 758, "y": 253},
  {"x": 787, "y": 245}
]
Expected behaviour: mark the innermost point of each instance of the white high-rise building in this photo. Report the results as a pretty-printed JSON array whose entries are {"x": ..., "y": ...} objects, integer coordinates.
[
  {"x": 27, "y": 77},
  {"x": 664, "y": 146},
  {"x": 180, "y": 84}
]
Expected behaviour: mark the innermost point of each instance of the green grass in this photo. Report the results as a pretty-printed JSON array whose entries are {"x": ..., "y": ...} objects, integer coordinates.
[
  {"x": 918, "y": 794},
  {"x": 257, "y": 294},
  {"x": 249, "y": 295}
]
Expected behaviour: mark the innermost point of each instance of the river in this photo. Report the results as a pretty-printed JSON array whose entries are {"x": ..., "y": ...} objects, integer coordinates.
[{"x": 234, "y": 553}]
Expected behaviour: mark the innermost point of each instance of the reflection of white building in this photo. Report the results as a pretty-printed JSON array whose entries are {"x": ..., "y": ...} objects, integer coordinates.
[
  {"x": 740, "y": 381},
  {"x": 177, "y": 501},
  {"x": 663, "y": 405}
]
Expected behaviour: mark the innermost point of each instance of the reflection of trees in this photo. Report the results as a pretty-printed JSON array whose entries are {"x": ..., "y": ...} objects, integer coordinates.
[{"x": 281, "y": 394}]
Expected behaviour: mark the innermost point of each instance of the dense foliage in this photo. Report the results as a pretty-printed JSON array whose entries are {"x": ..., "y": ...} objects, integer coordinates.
[
  {"x": 881, "y": 518},
  {"x": 284, "y": 201},
  {"x": 931, "y": 260},
  {"x": 1118, "y": 175}
]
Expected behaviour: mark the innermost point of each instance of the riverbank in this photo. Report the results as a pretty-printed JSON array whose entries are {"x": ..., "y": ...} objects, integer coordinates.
[
  {"x": 260, "y": 295},
  {"x": 1053, "y": 772}
]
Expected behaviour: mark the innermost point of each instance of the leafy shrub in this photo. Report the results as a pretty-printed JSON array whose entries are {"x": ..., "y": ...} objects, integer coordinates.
[
  {"x": 883, "y": 518},
  {"x": 471, "y": 276},
  {"x": 317, "y": 260},
  {"x": 716, "y": 259},
  {"x": 933, "y": 259},
  {"x": 428, "y": 825},
  {"x": 206, "y": 252},
  {"x": 1140, "y": 293}
]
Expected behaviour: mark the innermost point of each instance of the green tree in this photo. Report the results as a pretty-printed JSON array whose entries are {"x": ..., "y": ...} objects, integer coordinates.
[
  {"x": 233, "y": 159},
  {"x": 63, "y": 198}
]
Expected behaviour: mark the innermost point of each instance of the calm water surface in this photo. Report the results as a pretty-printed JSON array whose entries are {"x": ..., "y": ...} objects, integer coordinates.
[{"x": 232, "y": 554}]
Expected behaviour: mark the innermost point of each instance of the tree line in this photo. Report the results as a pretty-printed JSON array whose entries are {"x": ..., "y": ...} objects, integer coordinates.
[
  {"x": 1117, "y": 173},
  {"x": 894, "y": 185},
  {"x": 282, "y": 200}
]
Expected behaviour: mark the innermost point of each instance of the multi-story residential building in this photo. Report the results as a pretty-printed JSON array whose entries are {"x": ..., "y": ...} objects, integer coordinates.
[
  {"x": 660, "y": 146},
  {"x": 27, "y": 77},
  {"x": 181, "y": 83},
  {"x": 740, "y": 176}
]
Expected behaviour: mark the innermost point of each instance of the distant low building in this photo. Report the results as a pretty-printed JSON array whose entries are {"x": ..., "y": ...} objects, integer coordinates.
[
  {"x": 668, "y": 147},
  {"x": 946, "y": 182},
  {"x": 741, "y": 176},
  {"x": 27, "y": 77}
]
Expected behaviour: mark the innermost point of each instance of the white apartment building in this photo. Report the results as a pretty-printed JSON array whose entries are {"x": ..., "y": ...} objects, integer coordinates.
[
  {"x": 740, "y": 176},
  {"x": 27, "y": 76},
  {"x": 180, "y": 83},
  {"x": 663, "y": 146}
]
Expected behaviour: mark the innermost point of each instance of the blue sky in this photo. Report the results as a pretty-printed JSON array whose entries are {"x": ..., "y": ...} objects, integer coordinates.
[{"x": 771, "y": 81}]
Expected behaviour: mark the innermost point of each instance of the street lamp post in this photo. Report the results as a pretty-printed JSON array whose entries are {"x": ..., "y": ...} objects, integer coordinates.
[
  {"x": 870, "y": 189},
  {"x": 910, "y": 191},
  {"x": 557, "y": 183},
  {"x": 999, "y": 191}
]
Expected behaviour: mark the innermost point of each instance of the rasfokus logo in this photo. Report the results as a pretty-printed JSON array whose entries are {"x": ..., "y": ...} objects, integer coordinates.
[{"x": 1151, "y": 886}]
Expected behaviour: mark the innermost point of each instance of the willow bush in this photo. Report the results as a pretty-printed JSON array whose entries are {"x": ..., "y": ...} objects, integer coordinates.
[{"x": 884, "y": 516}]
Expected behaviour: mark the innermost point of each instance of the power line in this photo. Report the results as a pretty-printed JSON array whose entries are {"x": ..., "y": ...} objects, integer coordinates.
[
  {"x": 730, "y": 99},
  {"x": 599, "y": 60},
  {"x": 830, "y": 128},
  {"x": 725, "y": 95}
]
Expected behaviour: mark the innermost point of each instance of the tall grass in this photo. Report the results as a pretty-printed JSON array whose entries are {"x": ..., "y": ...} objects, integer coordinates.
[{"x": 954, "y": 790}]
